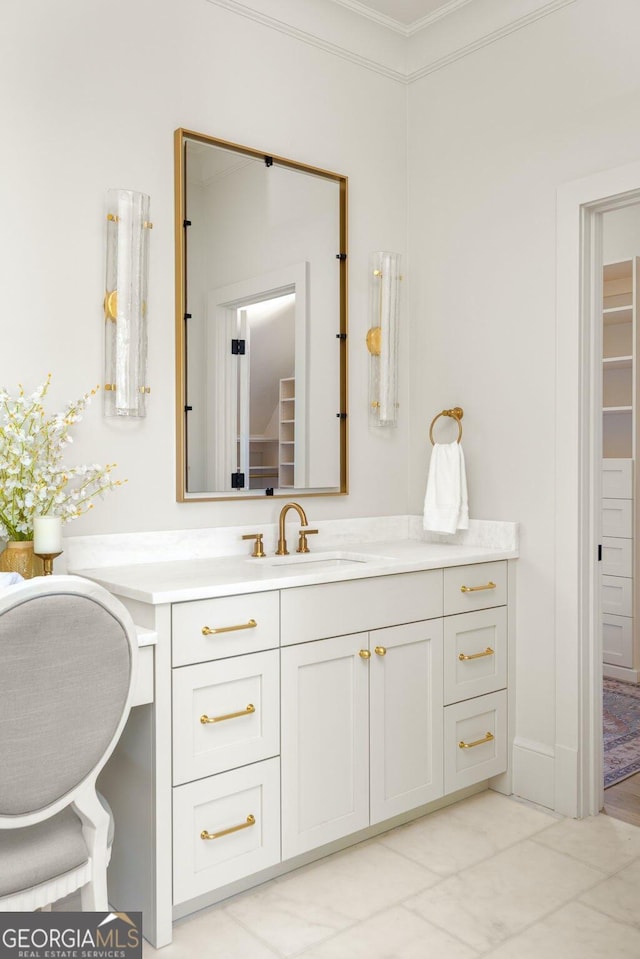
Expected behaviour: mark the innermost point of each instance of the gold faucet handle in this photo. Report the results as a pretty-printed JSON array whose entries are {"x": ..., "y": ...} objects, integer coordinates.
[
  {"x": 303, "y": 546},
  {"x": 258, "y": 550}
]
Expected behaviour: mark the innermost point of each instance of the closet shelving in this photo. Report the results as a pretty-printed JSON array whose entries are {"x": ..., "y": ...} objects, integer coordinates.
[
  {"x": 287, "y": 433},
  {"x": 621, "y": 649},
  {"x": 263, "y": 465}
]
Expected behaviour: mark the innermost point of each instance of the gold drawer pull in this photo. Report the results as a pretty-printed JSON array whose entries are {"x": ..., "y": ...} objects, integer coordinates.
[
  {"x": 251, "y": 821},
  {"x": 476, "y": 589},
  {"x": 479, "y": 742},
  {"x": 381, "y": 650},
  {"x": 208, "y": 631},
  {"x": 464, "y": 658},
  {"x": 365, "y": 654},
  {"x": 220, "y": 719}
]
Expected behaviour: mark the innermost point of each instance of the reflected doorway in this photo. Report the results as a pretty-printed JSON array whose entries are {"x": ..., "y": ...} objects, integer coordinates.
[{"x": 620, "y": 285}]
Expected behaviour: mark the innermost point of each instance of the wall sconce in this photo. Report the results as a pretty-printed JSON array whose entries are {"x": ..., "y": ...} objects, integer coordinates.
[
  {"x": 382, "y": 339},
  {"x": 125, "y": 303}
]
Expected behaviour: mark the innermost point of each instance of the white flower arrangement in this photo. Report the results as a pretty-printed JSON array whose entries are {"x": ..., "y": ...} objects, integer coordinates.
[{"x": 33, "y": 481}]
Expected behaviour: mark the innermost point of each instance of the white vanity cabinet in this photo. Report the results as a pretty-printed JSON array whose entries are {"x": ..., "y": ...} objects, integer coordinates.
[
  {"x": 361, "y": 731},
  {"x": 285, "y": 720},
  {"x": 364, "y": 733}
]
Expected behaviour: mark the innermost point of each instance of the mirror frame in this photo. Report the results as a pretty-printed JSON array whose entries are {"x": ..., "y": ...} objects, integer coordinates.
[{"x": 182, "y": 494}]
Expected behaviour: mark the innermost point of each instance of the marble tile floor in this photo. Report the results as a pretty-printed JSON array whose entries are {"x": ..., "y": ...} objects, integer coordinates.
[{"x": 489, "y": 876}]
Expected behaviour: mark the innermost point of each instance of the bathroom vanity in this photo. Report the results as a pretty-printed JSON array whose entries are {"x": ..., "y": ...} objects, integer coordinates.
[{"x": 302, "y": 703}]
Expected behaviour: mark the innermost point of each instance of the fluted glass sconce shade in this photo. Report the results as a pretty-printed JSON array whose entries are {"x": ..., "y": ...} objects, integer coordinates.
[
  {"x": 125, "y": 303},
  {"x": 382, "y": 339}
]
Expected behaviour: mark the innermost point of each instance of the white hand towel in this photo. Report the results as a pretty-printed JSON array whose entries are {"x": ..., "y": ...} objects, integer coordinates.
[{"x": 446, "y": 506}]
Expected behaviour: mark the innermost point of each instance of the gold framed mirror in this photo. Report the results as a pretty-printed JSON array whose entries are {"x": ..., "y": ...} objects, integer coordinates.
[{"x": 261, "y": 324}]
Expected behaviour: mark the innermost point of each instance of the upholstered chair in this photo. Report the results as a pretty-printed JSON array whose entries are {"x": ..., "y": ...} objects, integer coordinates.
[{"x": 68, "y": 654}]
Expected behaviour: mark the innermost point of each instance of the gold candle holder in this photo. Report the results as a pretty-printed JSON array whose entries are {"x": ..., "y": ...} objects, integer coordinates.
[{"x": 47, "y": 561}]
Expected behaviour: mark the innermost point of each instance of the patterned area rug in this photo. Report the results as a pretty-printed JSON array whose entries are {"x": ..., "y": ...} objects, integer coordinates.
[{"x": 621, "y": 713}]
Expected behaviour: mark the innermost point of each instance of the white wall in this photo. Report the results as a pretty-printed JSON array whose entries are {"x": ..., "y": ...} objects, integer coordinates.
[
  {"x": 92, "y": 92},
  {"x": 621, "y": 234},
  {"x": 492, "y": 136}
]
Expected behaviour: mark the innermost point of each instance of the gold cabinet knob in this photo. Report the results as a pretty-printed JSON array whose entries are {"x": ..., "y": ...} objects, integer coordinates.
[
  {"x": 381, "y": 650},
  {"x": 365, "y": 654}
]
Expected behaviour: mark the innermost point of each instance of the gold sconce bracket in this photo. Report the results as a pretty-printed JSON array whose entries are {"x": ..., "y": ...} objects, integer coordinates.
[
  {"x": 374, "y": 340},
  {"x": 111, "y": 305}
]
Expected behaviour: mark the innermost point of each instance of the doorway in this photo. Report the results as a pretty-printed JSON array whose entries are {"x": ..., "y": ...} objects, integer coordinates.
[
  {"x": 620, "y": 272},
  {"x": 579, "y": 649}
]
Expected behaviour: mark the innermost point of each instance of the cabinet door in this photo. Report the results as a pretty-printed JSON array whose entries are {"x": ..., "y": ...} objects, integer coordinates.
[
  {"x": 325, "y": 742},
  {"x": 406, "y": 717}
]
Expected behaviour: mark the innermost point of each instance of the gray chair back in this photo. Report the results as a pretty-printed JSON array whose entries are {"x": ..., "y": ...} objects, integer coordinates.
[{"x": 66, "y": 669}]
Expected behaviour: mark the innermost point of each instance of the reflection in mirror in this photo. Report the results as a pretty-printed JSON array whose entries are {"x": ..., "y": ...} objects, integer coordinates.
[{"x": 261, "y": 324}]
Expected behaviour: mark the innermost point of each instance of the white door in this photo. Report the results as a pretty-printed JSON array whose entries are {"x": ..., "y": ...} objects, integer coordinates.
[
  {"x": 406, "y": 717},
  {"x": 325, "y": 742}
]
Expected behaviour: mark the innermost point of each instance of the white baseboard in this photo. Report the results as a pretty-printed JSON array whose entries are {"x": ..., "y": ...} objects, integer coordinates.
[
  {"x": 567, "y": 801},
  {"x": 534, "y": 772}
]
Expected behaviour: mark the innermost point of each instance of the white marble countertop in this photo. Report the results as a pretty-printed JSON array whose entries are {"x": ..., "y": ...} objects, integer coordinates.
[{"x": 205, "y": 578}]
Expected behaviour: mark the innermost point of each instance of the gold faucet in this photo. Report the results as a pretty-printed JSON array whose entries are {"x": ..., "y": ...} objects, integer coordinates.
[{"x": 282, "y": 543}]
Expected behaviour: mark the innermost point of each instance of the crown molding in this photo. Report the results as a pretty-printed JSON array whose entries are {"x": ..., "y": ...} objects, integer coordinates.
[
  {"x": 439, "y": 39},
  {"x": 460, "y": 50},
  {"x": 407, "y": 30},
  {"x": 389, "y": 22},
  {"x": 438, "y": 14},
  {"x": 274, "y": 23}
]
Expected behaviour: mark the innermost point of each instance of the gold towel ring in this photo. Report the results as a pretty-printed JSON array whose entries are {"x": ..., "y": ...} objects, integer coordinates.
[{"x": 456, "y": 413}]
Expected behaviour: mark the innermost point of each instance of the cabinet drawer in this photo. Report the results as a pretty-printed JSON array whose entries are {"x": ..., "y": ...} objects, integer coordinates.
[
  {"x": 242, "y": 624},
  {"x": 475, "y": 740},
  {"x": 617, "y": 478},
  {"x": 617, "y": 559},
  {"x": 475, "y": 587},
  {"x": 242, "y": 697},
  {"x": 617, "y": 518},
  {"x": 335, "y": 609},
  {"x": 617, "y": 595},
  {"x": 219, "y": 805},
  {"x": 617, "y": 640},
  {"x": 475, "y": 653}
]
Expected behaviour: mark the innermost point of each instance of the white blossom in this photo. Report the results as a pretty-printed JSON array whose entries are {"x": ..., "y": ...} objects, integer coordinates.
[{"x": 33, "y": 480}]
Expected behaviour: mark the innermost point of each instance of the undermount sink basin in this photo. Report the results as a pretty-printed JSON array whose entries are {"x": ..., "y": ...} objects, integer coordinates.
[{"x": 325, "y": 560}]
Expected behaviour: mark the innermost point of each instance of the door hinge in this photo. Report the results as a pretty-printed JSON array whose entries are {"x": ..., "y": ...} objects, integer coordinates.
[
  {"x": 341, "y": 256},
  {"x": 237, "y": 480},
  {"x": 188, "y": 316},
  {"x": 186, "y": 223},
  {"x": 188, "y": 409},
  {"x": 341, "y": 416},
  {"x": 238, "y": 347},
  {"x": 341, "y": 336},
  {"x": 599, "y": 552}
]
